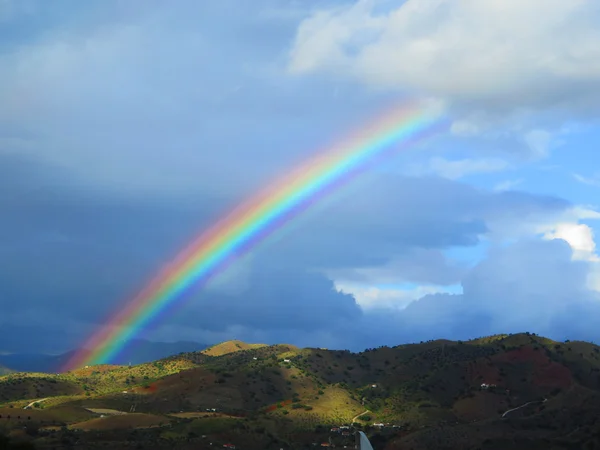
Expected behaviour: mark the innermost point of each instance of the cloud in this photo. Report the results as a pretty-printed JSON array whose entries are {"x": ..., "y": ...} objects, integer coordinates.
[
  {"x": 580, "y": 238},
  {"x": 414, "y": 265},
  {"x": 500, "y": 67},
  {"x": 539, "y": 142},
  {"x": 124, "y": 134},
  {"x": 373, "y": 297},
  {"x": 508, "y": 185},
  {"x": 275, "y": 300},
  {"x": 590, "y": 181},
  {"x": 531, "y": 285},
  {"x": 503, "y": 53},
  {"x": 90, "y": 252},
  {"x": 144, "y": 101},
  {"x": 456, "y": 169},
  {"x": 146, "y": 91}
]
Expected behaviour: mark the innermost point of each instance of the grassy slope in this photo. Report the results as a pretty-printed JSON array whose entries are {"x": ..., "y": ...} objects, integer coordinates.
[
  {"x": 433, "y": 385},
  {"x": 228, "y": 347}
]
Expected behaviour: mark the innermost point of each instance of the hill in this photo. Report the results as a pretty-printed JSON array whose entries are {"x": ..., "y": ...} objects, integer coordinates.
[
  {"x": 521, "y": 390},
  {"x": 227, "y": 347}
]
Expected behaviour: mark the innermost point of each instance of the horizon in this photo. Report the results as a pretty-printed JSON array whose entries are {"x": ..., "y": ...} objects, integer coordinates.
[
  {"x": 129, "y": 129},
  {"x": 206, "y": 346}
]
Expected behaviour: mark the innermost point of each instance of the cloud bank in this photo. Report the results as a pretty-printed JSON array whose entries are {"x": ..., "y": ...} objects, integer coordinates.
[{"x": 126, "y": 132}]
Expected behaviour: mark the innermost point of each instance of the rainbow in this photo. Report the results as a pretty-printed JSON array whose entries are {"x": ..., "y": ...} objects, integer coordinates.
[{"x": 253, "y": 221}]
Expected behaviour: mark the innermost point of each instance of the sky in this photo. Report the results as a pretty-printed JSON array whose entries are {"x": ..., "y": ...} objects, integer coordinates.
[{"x": 127, "y": 128}]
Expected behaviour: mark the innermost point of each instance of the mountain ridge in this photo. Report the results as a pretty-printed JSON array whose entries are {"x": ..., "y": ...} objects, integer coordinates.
[{"x": 522, "y": 389}]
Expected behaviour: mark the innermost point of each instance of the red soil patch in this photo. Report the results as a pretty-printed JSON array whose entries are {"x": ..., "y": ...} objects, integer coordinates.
[
  {"x": 553, "y": 375},
  {"x": 546, "y": 373},
  {"x": 153, "y": 387},
  {"x": 525, "y": 354},
  {"x": 272, "y": 408},
  {"x": 481, "y": 372}
]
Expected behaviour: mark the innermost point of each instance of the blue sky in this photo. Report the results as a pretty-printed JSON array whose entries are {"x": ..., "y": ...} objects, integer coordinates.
[{"x": 128, "y": 127}]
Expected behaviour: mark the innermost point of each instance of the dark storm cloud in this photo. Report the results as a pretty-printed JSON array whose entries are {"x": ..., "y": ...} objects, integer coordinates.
[
  {"x": 80, "y": 255},
  {"x": 276, "y": 300},
  {"x": 528, "y": 286},
  {"x": 394, "y": 215},
  {"x": 127, "y": 128}
]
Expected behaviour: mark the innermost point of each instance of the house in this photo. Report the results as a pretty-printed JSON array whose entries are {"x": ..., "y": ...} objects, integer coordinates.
[
  {"x": 229, "y": 446},
  {"x": 486, "y": 386},
  {"x": 373, "y": 385},
  {"x": 286, "y": 360},
  {"x": 380, "y": 425},
  {"x": 345, "y": 433},
  {"x": 335, "y": 430}
]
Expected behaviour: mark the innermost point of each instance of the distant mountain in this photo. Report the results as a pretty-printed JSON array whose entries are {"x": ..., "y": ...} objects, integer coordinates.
[
  {"x": 32, "y": 362},
  {"x": 137, "y": 351}
]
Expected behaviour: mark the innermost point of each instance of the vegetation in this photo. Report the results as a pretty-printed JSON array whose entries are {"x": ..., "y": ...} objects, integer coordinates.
[{"x": 280, "y": 396}]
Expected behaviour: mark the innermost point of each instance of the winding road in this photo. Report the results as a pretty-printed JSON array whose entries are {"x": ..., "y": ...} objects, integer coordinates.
[
  {"x": 361, "y": 414},
  {"x": 34, "y": 402},
  {"x": 523, "y": 406}
]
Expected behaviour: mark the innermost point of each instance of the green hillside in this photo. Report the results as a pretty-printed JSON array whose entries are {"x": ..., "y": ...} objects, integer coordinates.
[{"x": 522, "y": 391}]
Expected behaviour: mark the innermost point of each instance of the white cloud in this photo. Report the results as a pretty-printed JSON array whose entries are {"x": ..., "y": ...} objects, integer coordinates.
[
  {"x": 593, "y": 180},
  {"x": 371, "y": 297},
  {"x": 522, "y": 224},
  {"x": 485, "y": 58},
  {"x": 461, "y": 49},
  {"x": 416, "y": 265},
  {"x": 539, "y": 142},
  {"x": 580, "y": 238},
  {"x": 508, "y": 185},
  {"x": 457, "y": 169}
]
